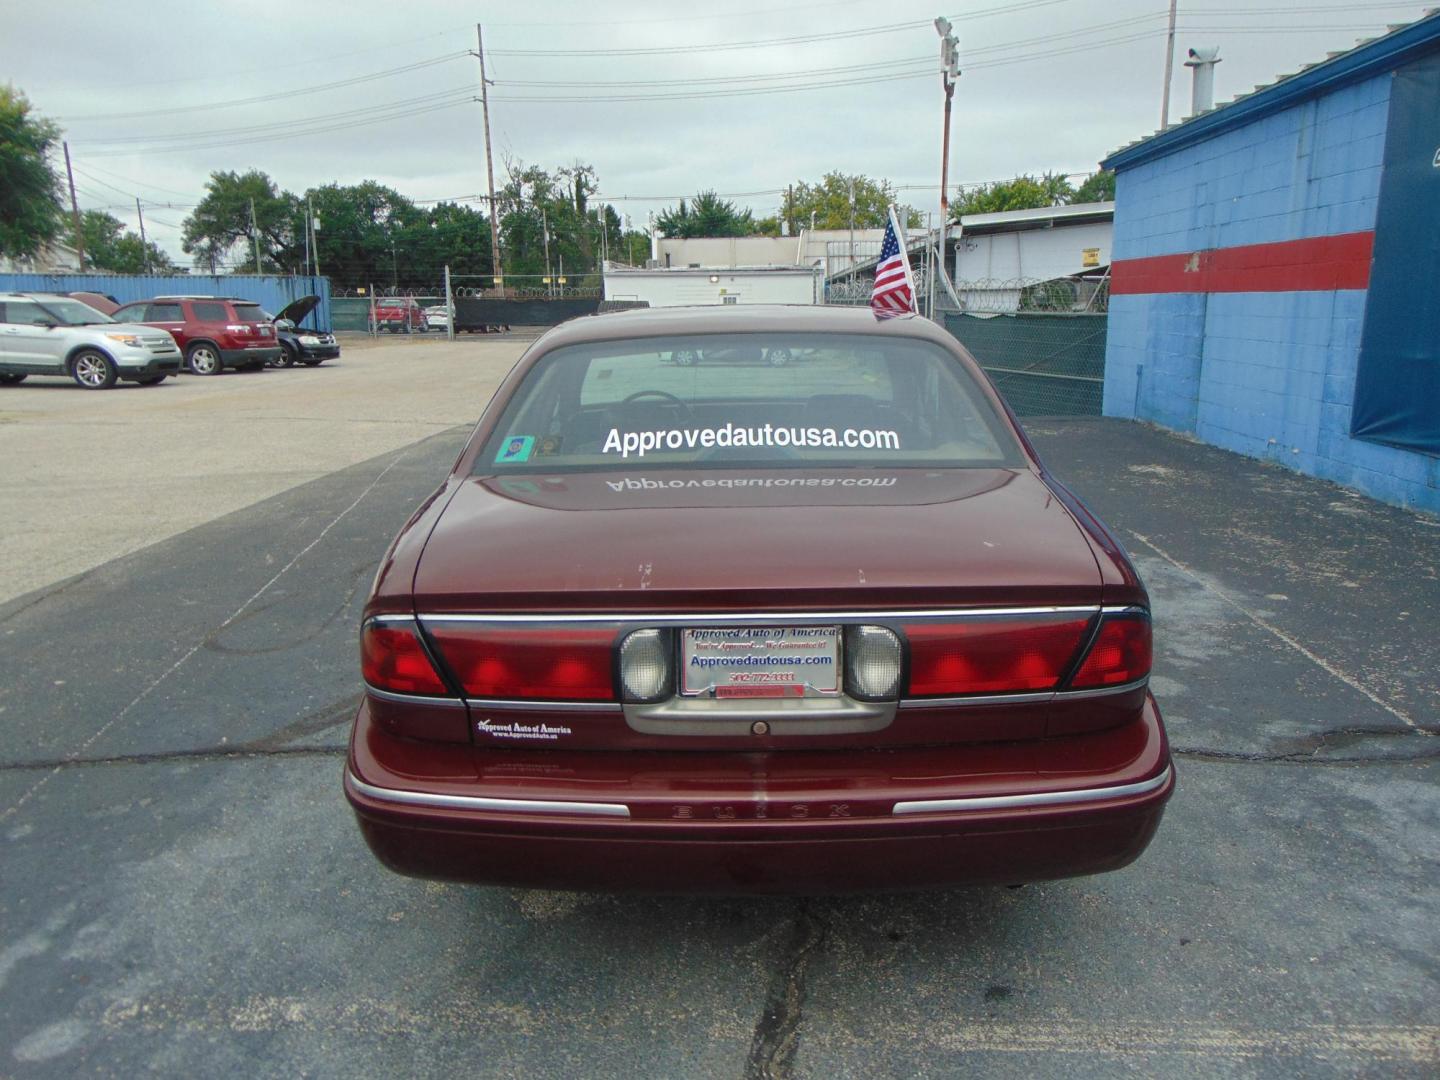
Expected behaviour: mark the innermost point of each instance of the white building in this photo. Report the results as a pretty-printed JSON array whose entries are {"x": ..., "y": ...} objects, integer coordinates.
[
  {"x": 678, "y": 286},
  {"x": 832, "y": 249},
  {"x": 998, "y": 255}
]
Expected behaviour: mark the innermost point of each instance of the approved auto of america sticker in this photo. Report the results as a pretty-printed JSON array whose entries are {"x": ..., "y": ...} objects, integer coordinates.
[{"x": 768, "y": 662}]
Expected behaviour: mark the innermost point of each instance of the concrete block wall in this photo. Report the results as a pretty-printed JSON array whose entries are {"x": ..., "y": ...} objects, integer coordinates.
[{"x": 1267, "y": 374}]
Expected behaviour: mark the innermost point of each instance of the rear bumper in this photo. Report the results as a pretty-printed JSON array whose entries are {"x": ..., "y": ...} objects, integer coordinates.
[{"x": 783, "y": 822}]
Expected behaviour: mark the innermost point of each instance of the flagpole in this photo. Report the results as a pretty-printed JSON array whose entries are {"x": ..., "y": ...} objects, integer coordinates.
[{"x": 905, "y": 257}]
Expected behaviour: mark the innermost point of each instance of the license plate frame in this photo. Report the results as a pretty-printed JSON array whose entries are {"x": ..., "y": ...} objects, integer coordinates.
[{"x": 766, "y": 662}]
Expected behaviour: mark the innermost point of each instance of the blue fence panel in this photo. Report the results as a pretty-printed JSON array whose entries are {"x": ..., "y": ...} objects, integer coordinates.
[{"x": 272, "y": 292}]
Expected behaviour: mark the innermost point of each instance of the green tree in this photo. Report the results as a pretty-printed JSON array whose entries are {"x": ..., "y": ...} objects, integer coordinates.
[
  {"x": 542, "y": 210},
  {"x": 1022, "y": 193},
  {"x": 225, "y": 217},
  {"x": 30, "y": 193},
  {"x": 365, "y": 235},
  {"x": 1098, "y": 187},
  {"x": 827, "y": 204},
  {"x": 706, "y": 215},
  {"x": 110, "y": 246}
]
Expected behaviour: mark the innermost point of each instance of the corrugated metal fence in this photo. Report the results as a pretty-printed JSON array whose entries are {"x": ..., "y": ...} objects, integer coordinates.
[{"x": 272, "y": 292}]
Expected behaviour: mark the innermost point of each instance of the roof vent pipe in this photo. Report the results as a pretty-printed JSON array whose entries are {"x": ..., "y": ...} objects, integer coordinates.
[{"x": 1202, "y": 90}]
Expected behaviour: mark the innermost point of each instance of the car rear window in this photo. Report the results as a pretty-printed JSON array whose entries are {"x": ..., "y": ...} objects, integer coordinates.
[
  {"x": 749, "y": 399},
  {"x": 251, "y": 313},
  {"x": 211, "y": 312}
]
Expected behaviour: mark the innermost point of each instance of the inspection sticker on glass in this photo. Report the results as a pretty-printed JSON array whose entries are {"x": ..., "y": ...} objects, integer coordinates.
[{"x": 762, "y": 662}]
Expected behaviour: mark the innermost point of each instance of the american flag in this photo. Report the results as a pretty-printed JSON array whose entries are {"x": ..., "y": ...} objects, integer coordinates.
[{"x": 893, "y": 293}]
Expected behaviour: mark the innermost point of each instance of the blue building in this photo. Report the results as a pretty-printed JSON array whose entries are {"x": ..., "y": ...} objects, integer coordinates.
[{"x": 1275, "y": 285}]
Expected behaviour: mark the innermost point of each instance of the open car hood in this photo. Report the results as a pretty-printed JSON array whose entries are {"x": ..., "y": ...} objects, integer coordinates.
[{"x": 297, "y": 310}]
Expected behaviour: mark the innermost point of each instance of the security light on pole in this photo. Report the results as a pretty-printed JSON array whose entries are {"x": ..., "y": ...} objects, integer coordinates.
[{"x": 949, "y": 72}]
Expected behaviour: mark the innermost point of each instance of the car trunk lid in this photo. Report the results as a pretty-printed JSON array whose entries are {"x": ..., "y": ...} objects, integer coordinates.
[{"x": 771, "y": 540}]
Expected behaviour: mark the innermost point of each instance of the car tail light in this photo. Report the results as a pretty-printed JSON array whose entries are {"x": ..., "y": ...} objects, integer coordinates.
[
  {"x": 393, "y": 658},
  {"x": 238, "y": 328},
  {"x": 549, "y": 664},
  {"x": 872, "y": 663},
  {"x": 992, "y": 655},
  {"x": 1121, "y": 653},
  {"x": 647, "y": 673}
]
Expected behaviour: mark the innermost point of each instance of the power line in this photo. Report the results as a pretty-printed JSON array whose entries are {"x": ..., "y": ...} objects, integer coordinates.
[
  {"x": 400, "y": 115},
  {"x": 691, "y": 81},
  {"x": 805, "y": 39},
  {"x": 283, "y": 125},
  {"x": 276, "y": 96}
]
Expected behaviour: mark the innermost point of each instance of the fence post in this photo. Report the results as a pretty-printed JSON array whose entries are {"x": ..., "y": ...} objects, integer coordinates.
[
  {"x": 449, "y": 307},
  {"x": 374, "y": 326}
]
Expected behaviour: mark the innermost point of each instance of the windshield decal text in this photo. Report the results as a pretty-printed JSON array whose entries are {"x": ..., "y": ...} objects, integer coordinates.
[{"x": 641, "y": 443}]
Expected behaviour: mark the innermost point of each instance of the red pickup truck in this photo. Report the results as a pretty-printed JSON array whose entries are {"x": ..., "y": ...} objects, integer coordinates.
[{"x": 398, "y": 314}]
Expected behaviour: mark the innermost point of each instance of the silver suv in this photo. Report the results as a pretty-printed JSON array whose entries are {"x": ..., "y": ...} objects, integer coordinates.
[{"x": 41, "y": 334}]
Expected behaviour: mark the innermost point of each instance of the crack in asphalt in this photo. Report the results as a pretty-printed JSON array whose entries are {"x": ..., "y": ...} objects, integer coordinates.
[
  {"x": 777, "y": 1032},
  {"x": 161, "y": 757},
  {"x": 1305, "y": 749},
  {"x": 273, "y": 745}
]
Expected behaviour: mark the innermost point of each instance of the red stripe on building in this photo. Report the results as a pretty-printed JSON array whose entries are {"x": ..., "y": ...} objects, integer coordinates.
[{"x": 1317, "y": 264}]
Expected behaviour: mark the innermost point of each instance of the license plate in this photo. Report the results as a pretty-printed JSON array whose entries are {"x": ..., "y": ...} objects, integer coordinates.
[{"x": 761, "y": 662}]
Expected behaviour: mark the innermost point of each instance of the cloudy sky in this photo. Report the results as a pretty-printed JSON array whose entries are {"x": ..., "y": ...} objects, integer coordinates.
[{"x": 661, "y": 99}]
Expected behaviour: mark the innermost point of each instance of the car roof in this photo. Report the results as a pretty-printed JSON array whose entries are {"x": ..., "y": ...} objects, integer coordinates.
[
  {"x": 740, "y": 319},
  {"x": 197, "y": 296}
]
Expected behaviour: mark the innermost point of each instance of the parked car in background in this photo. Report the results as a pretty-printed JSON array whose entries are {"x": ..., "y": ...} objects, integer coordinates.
[
  {"x": 302, "y": 344},
  {"x": 47, "y": 334},
  {"x": 397, "y": 314},
  {"x": 213, "y": 332},
  {"x": 437, "y": 317},
  {"x": 101, "y": 302},
  {"x": 829, "y": 627}
]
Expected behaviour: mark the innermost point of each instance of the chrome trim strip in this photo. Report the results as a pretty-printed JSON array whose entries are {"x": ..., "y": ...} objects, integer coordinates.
[
  {"x": 477, "y": 802},
  {"x": 390, "y": 619},
  {"x": 986, "y": 699},
  {"x": 1041, "y": 798},
  {"x": 544, "y": 706},
  {"x": 782, "y": 618},
  {"x": 1102, "y": 691},
  {"x": 413, "y": 699},
  {"x": 1045, "y": 696}
]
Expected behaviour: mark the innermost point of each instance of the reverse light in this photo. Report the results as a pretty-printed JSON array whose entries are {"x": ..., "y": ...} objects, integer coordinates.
[
  {"x": 997, "y": 655},
  {"x": 525, "y": 663},
  {"x": 646, "y": 671},
  {"x": 1121, "y": 654},
  {"x": 872, "y": 663},
  {"x": 392, "y": 658}
]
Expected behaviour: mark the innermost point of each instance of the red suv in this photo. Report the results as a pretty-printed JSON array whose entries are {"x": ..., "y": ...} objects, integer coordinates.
[{"x": 213, "y": 332}]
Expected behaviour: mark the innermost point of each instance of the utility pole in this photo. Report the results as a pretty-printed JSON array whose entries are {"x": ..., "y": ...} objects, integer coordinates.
[
  {"x": 144, "y": 247},
  {"x": 1169, "y": 69},
  {"x": 852, "y": 228},
  {"x": 74, "y": 210},
  {"x": 489, "y": 164},
  {"x": 949, "y": 72},
  {"x": 545, "y": 233},
  {"x": 394, "y": 268},
  {"x": 255, "y": 235},
  {"x": 314, "y": 239}
]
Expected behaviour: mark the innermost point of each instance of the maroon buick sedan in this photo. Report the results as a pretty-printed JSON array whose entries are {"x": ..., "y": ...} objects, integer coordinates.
[{"x": 817, "y": 627}]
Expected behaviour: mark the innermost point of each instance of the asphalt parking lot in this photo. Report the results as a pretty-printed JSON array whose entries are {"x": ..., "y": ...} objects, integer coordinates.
[{"x": 183, "y": 890}]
